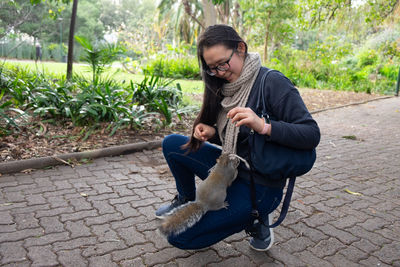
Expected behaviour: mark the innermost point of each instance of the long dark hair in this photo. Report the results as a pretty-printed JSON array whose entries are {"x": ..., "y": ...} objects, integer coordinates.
[{"x": 214, "y": 35}]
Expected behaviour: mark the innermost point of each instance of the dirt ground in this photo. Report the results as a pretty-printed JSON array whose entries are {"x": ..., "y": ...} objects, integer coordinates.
[{"x": 48, "y": 140}]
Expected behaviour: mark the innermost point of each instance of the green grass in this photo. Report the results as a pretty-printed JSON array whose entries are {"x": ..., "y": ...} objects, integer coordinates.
[{"x": 57, "y": 68}]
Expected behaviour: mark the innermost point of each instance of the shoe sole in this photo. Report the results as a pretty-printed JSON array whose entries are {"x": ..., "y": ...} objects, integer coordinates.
[
  {"x": 271, "y": 235},
  {"x": 161, "y": 217}
]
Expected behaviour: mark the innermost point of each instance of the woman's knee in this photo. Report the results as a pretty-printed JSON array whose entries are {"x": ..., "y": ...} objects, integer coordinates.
[{"x": 173, "y": 143}]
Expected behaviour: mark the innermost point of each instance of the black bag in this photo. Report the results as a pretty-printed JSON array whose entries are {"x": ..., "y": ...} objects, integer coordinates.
[{"x": 275, "y": 161}]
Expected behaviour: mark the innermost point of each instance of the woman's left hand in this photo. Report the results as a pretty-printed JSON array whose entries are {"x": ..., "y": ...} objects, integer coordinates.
[{"x": 246, "y": 116}]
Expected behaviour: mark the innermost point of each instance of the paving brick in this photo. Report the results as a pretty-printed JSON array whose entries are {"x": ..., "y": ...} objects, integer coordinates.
[
  {"x": 127, "y": 210},
  {"x": 75, "y": 216},
  {"x": 122, "y": 190},
  {"x": 54, "y": 212},
  {"x": 5, "y": 184},
  {"x": 370, "y": 236},
  {"x": 207, "y": 258},
  {"x": 327, "y": 247},
  {"x": 147, "y": 211},
  {"x": 131, "y": 236},
  {"x": 163, "y": 256},
  {"x": 353, "y": 254},
  {"x": 7, "y": 228},
  {"x": 122, "y": 200},
  {"x": 105, "y": 233},
  {"x": 14, "y": 196},
  {"x": 297, "y": 244},
  {"x": 345, "y": 237},
  {"x": 42, "y": 256},
  {"x": 346, "y": 221},
  {"x": 46, "y": 239},
  {"x": 373, "y": 261},
  {"x": 74, "y": 243},
  {"x": 106, "y": 218},
  {"x": 373, "y": 224},
  {"x": 6, "y": 218},
  {"x": 133, "y": 252},
  {"x": 159, "y": 241},
  {"x": 77, "y": 229},
  {"x": 301, "y": 229},
  {"x": 12, "y": 252},
  {"x": 137, "y": 262},
  {"x": 283, "y": 256},
  {"x": 311, "y": 260},
  {"x": 44, "y": 182},
  {"x": 318, "y": 219},
  {"x": 128, "y": 222},
  {"x": 35, "y": 199},
  {"x": 19, "y": 188},
  {"x": 102, "y": 261},
  {"x": 54, "y": 193},
  {"x": 20, "y": 235},
  {"x": 51, "y": 224},
  {"x": 102, "y": 188},
  {"x": 57, "y": 202},
  {"x": 60, "y": 185},
  {"x": 389, "y": 253},
  {"x": 340, "y": 260},
  {"x": 12, "y": 206},
  {"x": 103, "y": 197},
  {"x": 151, "y": 225},
  {"x": 103, "y": 248},
  {"x": 103, "y": 207},
  {"x": 72, "y": 258},
  {"x": 80, "y": 204}
]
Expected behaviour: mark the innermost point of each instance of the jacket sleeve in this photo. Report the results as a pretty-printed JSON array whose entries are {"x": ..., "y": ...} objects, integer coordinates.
[
  {"x": 291, "y": 123},
  {"x": 215, "y": 139}
]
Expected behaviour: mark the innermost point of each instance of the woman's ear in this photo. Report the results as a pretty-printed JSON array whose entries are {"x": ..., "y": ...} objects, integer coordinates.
[{"x": 241, "y": 48}]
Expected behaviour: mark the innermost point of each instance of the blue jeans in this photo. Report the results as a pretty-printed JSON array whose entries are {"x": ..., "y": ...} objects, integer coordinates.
[{"x": 214, "y": 226}]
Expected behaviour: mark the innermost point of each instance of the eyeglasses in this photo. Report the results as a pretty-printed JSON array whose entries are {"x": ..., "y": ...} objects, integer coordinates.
[{"x": 221, "y": 67}]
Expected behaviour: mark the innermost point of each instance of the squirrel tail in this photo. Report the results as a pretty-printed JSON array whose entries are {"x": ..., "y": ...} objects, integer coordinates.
[{"x": 182, "y": 218}]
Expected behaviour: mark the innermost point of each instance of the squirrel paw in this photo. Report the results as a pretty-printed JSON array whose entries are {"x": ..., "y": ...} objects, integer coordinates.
[{"x": 225, "y": 205}]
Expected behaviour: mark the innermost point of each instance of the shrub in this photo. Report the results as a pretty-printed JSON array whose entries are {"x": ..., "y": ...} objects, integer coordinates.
[
  {"x": 367, "y": 57},
  {"x": 177, "y": 68}
]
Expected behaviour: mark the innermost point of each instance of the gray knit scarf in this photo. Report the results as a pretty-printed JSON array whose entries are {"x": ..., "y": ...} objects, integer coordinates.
[{"x": 236, "y": 95}]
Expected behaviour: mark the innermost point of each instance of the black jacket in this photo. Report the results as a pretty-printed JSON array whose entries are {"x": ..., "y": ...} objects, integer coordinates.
[{"x": 291, "y": 123}]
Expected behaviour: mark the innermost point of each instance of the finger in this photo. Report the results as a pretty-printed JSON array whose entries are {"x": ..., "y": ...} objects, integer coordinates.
[
  {"x": 234, "y": 111},
  {"x": 245, "y": 121},
  {"x": 239, "y": 116}
]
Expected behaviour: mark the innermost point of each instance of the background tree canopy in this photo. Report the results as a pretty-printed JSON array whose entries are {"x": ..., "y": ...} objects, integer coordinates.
[{"x": 317, "y": 43}]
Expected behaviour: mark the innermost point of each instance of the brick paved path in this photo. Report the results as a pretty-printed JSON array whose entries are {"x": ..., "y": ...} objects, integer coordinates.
[{"x": 102, "y": 213}]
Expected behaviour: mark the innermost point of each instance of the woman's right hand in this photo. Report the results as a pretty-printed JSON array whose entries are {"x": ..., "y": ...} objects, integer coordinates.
[{"x": 203, "y": 132}]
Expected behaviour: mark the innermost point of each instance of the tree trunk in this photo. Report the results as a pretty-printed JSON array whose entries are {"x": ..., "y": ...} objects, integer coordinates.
[
  {"x": 210, "y": 15},
  {"x": 266, "y": 38},
  {"x": 71, "y": 40}
]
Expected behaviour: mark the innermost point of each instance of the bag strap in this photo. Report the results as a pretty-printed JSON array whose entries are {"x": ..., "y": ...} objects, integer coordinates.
[
  {"x": 261, "y": 92},
  {"x": 292, "y": 180}
]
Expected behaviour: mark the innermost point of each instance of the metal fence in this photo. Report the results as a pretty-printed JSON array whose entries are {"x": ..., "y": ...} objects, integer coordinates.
[{"x": 25, "y": 50}]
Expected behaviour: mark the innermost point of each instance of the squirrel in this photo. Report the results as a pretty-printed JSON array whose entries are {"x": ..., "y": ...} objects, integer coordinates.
[{"x": 210, "y": 195}]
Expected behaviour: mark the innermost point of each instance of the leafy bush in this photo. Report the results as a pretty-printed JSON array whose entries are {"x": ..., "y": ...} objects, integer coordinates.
[
  {"x": 178, "y": 68},
  {"x": 389, "y": 71},
  {"x": 325, "y": 67},
  {"x": 99, "y": 57},
  {"x": 157, "y": 95},
  {"x": 367, "y": 57},
  {"x": 84, "y": 103},
  {"x": 9, "y": 117}
]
